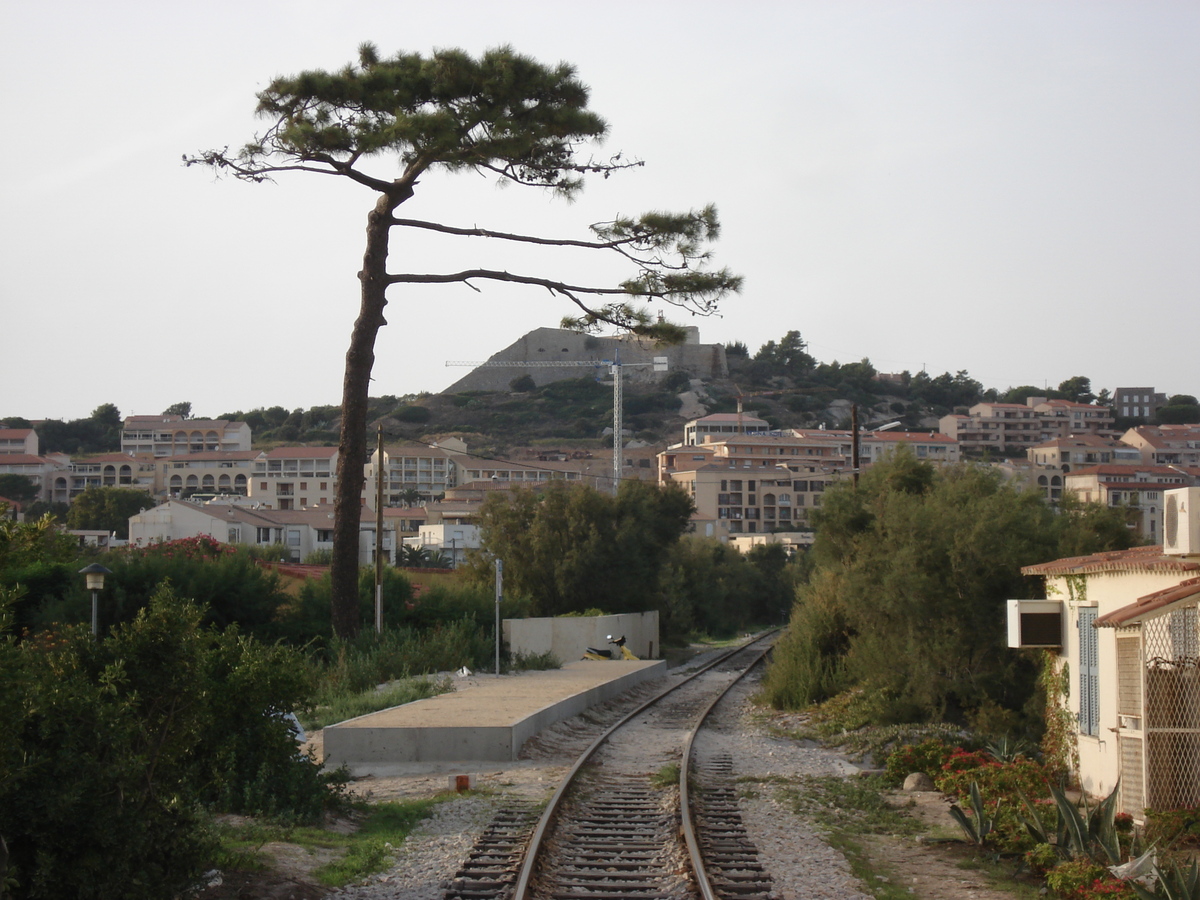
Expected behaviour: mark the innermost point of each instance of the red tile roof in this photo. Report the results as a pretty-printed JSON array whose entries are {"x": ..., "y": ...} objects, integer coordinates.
[
  {"x": 1149, "y": 557},
  {"x": 1151, "y": 604}
]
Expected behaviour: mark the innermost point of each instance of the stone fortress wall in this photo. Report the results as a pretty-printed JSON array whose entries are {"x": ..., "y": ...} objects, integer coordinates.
[{"x": 544, "y": 345}]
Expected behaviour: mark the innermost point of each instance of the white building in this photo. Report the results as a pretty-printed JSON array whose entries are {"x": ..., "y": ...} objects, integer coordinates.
[
  {"x": 1125, "y": 632},
  {"x": 174, "y": 435},
  {"x": 295, "y": 477},
  {"x": 300, "y": 532}
]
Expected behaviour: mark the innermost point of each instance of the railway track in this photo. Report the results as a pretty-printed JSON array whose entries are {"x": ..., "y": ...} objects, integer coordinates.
[{"x": 619, "y": 827}]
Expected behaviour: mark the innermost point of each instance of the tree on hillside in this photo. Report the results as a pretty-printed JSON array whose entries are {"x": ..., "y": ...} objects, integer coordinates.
[
  {"x": 1077, "y": 389},
  {"x": 18, "y": 487},
  {"x": 182, "y": 409},
  {"x": 946, "y": 391},
  {"x": 503, "y": 115},
  {"x": 570, "y": 548},
  {"x": 108, "y": 509},
  {"x": 1181, "y": 409},
  {"x": 911, "y": 572},
  {"x": 788, "y": 357}
]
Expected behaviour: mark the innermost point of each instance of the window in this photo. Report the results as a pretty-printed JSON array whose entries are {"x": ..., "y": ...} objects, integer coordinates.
[
  {"x": 262, "y": 535},
  {"x": 324, "y": 535},
  {"x": 1089, "y": 673},
  {"x": 262, "y": 486}
]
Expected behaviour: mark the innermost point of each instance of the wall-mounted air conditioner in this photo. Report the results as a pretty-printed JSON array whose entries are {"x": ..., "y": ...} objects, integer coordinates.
[
  {"x": 1181, "y": 521},
  {"x": 1035, "y": 623}
]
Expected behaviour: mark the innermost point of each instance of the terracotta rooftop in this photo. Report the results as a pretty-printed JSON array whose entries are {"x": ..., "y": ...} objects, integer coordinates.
[
  {"x": 1149, "y": 557},
  {"x": 1151, "y": 604}
]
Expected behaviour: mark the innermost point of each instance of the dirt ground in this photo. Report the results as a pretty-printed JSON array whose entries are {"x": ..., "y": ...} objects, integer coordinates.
[{"x": 928, "y": 869}]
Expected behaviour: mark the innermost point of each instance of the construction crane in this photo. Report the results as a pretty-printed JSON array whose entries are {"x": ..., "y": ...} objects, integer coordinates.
[{"x": 615, "y": 366}]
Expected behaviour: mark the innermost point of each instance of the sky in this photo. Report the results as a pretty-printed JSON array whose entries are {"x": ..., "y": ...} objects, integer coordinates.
[{"x": 1011, "y": 188}]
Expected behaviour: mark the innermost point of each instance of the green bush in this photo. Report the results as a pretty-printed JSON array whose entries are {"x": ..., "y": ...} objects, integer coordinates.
[
  {"x": 113, "y": 747},
  {"x": 222, "y": 579},
  {"x": 414, "y": 414},
  {"x": 928, "y": 756}
]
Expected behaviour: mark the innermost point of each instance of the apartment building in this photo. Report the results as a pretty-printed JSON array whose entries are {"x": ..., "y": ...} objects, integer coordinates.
[
  {"x": 428, "y": 469},
  {"x": 1050, "y": 461},
  {"x": 722, "y": 425},
  {"x": 931, "y": 446},
  {"x": 1166, "y": 445},
  {"x": 208, "y": 472},
  {"x": 1065, "y": 453},
  {"x": 1137, "y": 402},
  {"x": 175, "y": 435},
  {"x": 287, "y": 478},
  {"x": 1015, "y": 427},
  {"x": 43, "y": 471},
  {"x": 20, "y": 441},
  {"x": 1064, "y": 418},
  {"x": 1137, "y": 488}
]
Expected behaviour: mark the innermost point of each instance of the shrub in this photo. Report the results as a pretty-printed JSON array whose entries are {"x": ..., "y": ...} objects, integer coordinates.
[
  {"x": 1173, "y": 827},
  {"x": 1084, "y": 879},
  {"x": 414, "y": 414},
  {"x": 120, "y": 741},
  {"x": 1001, "y": 781},
  {"x": 929, "y": 757},
  {"x": 1041, "y": 858},
  {"x": 1070, "y": 878}
]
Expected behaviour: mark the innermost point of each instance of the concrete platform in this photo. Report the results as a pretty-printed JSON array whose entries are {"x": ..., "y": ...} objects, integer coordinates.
[{"x": 486, "y": 720}]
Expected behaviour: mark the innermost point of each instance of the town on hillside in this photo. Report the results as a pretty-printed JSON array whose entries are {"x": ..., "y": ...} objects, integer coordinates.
[{"x": 752, "y": 480}]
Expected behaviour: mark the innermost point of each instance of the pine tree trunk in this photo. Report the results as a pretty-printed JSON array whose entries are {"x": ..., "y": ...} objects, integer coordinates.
[{"x": 352, "y": 445}]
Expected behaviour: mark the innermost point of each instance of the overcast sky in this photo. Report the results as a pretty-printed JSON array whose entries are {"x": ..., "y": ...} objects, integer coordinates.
[{"x": 1010, "y": 188}]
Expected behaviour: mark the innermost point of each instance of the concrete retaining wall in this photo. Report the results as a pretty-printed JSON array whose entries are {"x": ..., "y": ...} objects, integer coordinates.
[{"x": 568, "y": 636}]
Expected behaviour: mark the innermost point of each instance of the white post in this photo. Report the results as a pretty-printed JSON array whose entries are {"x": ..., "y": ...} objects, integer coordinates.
[
  {"x": 618, "y": 426},
  {"x": 499, "y": 592}
]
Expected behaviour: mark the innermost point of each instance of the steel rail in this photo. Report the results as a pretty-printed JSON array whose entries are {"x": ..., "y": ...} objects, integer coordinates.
[
  {"x": 535, "y": 842},
  {"x": 685, "y": 807}
]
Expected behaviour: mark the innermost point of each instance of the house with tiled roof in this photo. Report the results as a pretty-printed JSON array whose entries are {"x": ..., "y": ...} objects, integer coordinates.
[
  {"x": 1166, "y": 445},
  {"x": 297, "y": 532},
  {"x": 1123, "y": 630}
]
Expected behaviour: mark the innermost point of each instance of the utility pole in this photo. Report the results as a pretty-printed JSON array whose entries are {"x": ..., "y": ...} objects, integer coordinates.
[
  {"x": 854, "y": 446},
  {"x": 379, "y": 472}
]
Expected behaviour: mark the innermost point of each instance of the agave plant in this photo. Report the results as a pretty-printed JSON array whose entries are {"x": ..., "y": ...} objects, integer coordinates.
[
  {"x": 1091, "y": 833},
  {"x": 1175, "y": 883},
  {"x": 976, "y": 830},
  {"x": 1006, "y": 749}
]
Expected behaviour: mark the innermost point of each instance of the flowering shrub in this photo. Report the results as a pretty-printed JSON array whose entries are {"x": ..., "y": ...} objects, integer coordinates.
[
  {"x": 928, "y": 756},
  {"x": 1025, "y": 776},
  {"x": 999, "y": 783},
  {"x": 1168, "y": 827},
  {"x": 1083, "y": 879}
]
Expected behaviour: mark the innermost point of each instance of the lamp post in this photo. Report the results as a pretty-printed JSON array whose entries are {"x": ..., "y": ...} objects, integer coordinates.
[{"x": 95, "y": 583}]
